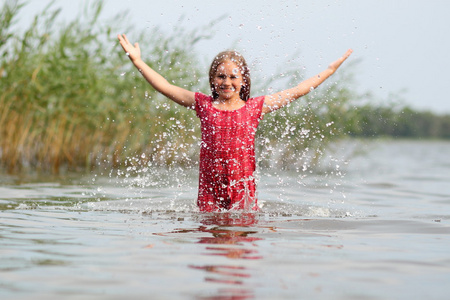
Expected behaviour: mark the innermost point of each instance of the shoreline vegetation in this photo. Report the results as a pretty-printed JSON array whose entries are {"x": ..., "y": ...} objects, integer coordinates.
[{"x": 70, "y": 100}]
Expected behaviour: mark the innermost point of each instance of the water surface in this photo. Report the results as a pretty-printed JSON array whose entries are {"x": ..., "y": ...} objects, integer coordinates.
[{"x": 376, "y": 226}]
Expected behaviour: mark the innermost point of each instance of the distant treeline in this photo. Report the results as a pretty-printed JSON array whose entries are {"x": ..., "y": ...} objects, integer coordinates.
[
  {"x": 70, "y": 98},
  {"x": 399, "y": 121}
]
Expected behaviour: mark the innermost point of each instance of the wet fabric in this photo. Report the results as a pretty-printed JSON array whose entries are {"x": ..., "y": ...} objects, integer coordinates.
[{"x": 227, "y": 155}]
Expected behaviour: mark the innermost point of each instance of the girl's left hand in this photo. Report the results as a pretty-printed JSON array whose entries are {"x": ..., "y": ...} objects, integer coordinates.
[{"x": 336, "y": 64}]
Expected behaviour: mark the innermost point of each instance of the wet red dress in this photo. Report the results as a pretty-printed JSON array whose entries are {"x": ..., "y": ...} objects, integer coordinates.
[{"x": 227, "y": 155}]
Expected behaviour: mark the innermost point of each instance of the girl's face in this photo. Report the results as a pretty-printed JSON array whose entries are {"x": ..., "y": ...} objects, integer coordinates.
[{"x": 228, "y": 81}]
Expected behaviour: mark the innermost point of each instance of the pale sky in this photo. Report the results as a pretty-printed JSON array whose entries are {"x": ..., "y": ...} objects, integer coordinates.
[{"x": 403, "y": 45}]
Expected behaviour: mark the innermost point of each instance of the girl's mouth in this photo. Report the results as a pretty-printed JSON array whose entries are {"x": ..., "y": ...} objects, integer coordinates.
[{"x": 227, "y": 90}]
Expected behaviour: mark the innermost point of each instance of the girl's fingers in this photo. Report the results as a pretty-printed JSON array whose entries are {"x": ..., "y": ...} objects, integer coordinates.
[
  {"x": 347, "y": 54},
  {"x": 126, "y": 39},
  {"x": 122, "y": 41}
]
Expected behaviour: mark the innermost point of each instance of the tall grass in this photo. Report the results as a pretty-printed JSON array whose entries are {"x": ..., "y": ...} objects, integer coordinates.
[{"x": 71, "y": 100}]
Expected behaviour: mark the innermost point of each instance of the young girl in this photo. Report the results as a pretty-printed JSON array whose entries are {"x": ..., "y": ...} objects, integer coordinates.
[{"x": 229, "y": 119}]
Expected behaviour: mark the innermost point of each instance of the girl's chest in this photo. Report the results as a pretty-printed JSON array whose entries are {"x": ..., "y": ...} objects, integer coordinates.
[{"x": 228, "y": 119}]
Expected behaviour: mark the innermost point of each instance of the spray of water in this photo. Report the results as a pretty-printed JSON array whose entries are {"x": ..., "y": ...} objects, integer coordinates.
[{"x": 292, "y": 141}]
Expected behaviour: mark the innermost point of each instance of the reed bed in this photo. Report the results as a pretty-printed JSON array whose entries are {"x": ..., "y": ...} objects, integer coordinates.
[{"x": 70, "y": 99}]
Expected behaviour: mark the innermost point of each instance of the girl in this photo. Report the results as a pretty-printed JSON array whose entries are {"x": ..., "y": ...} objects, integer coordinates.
[{"x": 229, "y": 119}]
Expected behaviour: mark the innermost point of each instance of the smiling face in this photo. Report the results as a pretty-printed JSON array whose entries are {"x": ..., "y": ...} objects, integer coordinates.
[
  {"x": 228, "y": 81},
  {"x": 232, "y": 65}
]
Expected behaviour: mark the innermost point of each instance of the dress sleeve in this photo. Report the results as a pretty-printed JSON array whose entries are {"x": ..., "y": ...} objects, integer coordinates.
[
  {"x": 200, "y": 103},
  {"x": 257, "y": 106}
]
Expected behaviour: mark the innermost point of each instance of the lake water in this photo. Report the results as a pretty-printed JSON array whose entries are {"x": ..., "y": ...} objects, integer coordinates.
[{"x": 376, "y": 226}]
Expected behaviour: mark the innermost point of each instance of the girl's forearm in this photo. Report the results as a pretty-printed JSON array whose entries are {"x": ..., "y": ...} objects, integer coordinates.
[
  {"x": 309, "y": 84},
  {"x": 158, "y": 82},
  {"x": 280, "y": 99},
  {"x": 306, "y": 86}
]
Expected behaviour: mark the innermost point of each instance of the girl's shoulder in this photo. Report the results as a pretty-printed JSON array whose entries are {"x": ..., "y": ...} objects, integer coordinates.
[
  {"x": 202, "y": 103},
  {"x": 202, "y": 97},
  {"x": 257, "y": 99},
  {"x": 256, "y": 102},
  {"x": 255, "y": 106}
]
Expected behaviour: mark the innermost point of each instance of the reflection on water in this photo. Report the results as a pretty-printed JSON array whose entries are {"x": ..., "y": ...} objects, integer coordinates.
[{"x": 229, "y": 235}]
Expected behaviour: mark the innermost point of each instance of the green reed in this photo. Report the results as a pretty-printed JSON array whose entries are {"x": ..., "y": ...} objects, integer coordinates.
[{"x": 70, "y": 98}]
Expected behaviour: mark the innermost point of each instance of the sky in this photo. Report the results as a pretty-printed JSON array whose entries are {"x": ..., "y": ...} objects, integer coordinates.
[{"x": 402, "y": 46}]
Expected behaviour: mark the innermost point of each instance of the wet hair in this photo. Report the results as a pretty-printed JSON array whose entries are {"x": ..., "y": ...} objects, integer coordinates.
[{"x": 238, "y": 59}]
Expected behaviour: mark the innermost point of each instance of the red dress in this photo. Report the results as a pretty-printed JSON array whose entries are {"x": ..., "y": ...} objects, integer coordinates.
[{"x": 227, "y": 155}]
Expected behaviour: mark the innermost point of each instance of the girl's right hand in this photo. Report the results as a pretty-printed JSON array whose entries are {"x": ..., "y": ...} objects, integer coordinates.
[
  {"x": 336, "y": 64},
  {"x": 133, "y": 52}
]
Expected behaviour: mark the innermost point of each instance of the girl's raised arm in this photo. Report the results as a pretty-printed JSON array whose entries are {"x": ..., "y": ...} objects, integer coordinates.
[
  {"x": 280, "y": 99},
  {"x": 159, "y": 83}
]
